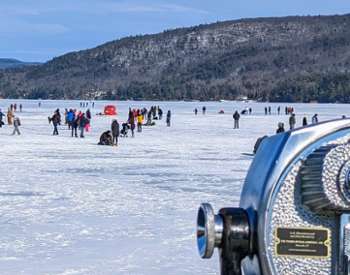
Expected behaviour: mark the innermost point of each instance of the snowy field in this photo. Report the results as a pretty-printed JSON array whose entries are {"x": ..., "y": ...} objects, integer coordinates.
[{"x": 68, "y": 206}]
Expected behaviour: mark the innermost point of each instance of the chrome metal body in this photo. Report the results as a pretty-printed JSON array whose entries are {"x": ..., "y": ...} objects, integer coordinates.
[
  {"x": 294, "y": 212},
  {"x": 274, "y": 161}
]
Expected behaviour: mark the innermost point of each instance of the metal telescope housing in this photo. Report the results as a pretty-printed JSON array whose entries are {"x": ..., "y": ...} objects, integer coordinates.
[{"x": 294, "y": 212}]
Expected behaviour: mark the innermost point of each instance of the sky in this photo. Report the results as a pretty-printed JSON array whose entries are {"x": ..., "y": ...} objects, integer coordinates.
[{"x": 38, "y": 30}]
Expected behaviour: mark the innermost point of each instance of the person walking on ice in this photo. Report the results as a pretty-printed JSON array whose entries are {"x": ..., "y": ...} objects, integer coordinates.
[
  {"x": 139, "y": 121},
  {"x": 75, "y": 125},
  {"x": 55, "y": 121},
  {"x": 10, "y": 116},
  {"x": 236, "y": 117},
  {"x": 292, "y": 121},
  {"x": 168, "y": 118},
  {"x": 16, "y": 124},
  {"x": 115, "y": 132}
]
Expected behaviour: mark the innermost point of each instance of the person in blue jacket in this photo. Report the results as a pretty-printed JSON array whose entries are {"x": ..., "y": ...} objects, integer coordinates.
[{"x": 70, "y": 118}]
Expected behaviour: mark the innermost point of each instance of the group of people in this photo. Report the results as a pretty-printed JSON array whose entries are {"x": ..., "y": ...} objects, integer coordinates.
[
  {"x": 84, "y": 104},
  {"x": 73, "y": 119},
  {"x": 136, "y": 118},
  {"x": 268, "y": 111},
  {"x": 79, "y": 120},
  {"x": 13, "y": 107},
  {"x": 288, "y": 110},
  {"x": 292, "y": 122},
  {"x": 204, "y": 110},
  {"x": 280, "y": 127},
  {"x": 11, "y": 118}
]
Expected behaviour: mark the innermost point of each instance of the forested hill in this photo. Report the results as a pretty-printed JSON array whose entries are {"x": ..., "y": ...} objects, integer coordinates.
[
  {"x": 6, "y": 63},
  {"x": 276, "y": 59}
]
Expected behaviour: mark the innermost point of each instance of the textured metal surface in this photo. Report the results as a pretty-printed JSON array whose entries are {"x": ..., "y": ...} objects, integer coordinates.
[
  {"x": 336, "y": 170},
  {"x": 311, "y": 180},
  {"x": 289, "y": 212},
  {"x": 324, "y": 178}
]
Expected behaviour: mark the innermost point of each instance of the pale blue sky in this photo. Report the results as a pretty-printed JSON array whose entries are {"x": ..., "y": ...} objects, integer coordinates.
[{"x": 38, "y": 30}]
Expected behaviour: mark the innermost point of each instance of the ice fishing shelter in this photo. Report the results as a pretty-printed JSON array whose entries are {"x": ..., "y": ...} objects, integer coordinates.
[{"x": 110, "y": 110}]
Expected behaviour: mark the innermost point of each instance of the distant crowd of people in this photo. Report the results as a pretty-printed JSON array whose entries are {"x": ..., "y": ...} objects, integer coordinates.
[
  {"x": 288, "y": 110},
  {"x": 79, "y": 122},
  {"x": 292, "y": 122},
  {"x": 13, "y": 107},
  {"x": 137, "y": 118},
  {"x": 204, "y": 110},
  {"x": 85, "y": 104},
  {"x": 12, "y": 119},
  {"x": 73, "y": 119}
]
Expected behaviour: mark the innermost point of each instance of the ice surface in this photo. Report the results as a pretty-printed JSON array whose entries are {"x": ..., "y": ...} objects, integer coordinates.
[{"x": 68, "y": 206}]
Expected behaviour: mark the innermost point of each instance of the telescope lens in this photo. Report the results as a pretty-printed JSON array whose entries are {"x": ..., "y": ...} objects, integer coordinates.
[{"x": 201, "y": 235}]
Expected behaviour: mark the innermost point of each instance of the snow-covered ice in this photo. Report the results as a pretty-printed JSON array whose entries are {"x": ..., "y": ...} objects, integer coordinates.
[{"x": 68, "y": 206}]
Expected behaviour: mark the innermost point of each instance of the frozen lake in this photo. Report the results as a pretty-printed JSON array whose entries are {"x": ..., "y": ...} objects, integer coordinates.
[{"x": 68, "y": 206}]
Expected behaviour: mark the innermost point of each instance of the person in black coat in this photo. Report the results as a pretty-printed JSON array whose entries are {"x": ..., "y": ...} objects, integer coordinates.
[
  {"x": 106, "y": 138},
  {"x": 83, "y": 121},
  {"x": 74, "y": 125},
  {"x": 88, "y": 114},
  {"x": 55, "y": 121},
  {"x": 168, "y": 118},
  {"x": 160, "y": 113},
  {"x": 280, "y": 128},
  {"x": 236, "y": 117},
  {"x": 132, "y": 125},
  {"x": 292, "y": 121},
  {"x": 115, "y": 132},
  {"x": 304, "y": 121}
]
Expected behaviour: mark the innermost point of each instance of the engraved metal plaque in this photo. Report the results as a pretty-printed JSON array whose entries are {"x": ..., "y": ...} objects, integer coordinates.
[{"x": 302, "y": 242}]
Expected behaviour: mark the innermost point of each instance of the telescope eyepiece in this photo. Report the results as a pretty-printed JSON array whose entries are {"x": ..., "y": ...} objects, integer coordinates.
[{"x": 209, "y": 230}]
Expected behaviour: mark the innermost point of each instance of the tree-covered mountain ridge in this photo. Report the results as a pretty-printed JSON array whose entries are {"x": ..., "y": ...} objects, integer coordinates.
[
  {"x": 277, "y": 59},
  {"x": 6, "y": 63}
]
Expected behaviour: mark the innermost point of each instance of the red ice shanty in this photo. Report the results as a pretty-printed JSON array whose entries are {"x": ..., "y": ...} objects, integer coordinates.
[{"x": 110, "y": 110}]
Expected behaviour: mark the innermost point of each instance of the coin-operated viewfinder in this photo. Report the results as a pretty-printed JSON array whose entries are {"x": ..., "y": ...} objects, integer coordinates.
[{"x": 294, "y": 212}]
